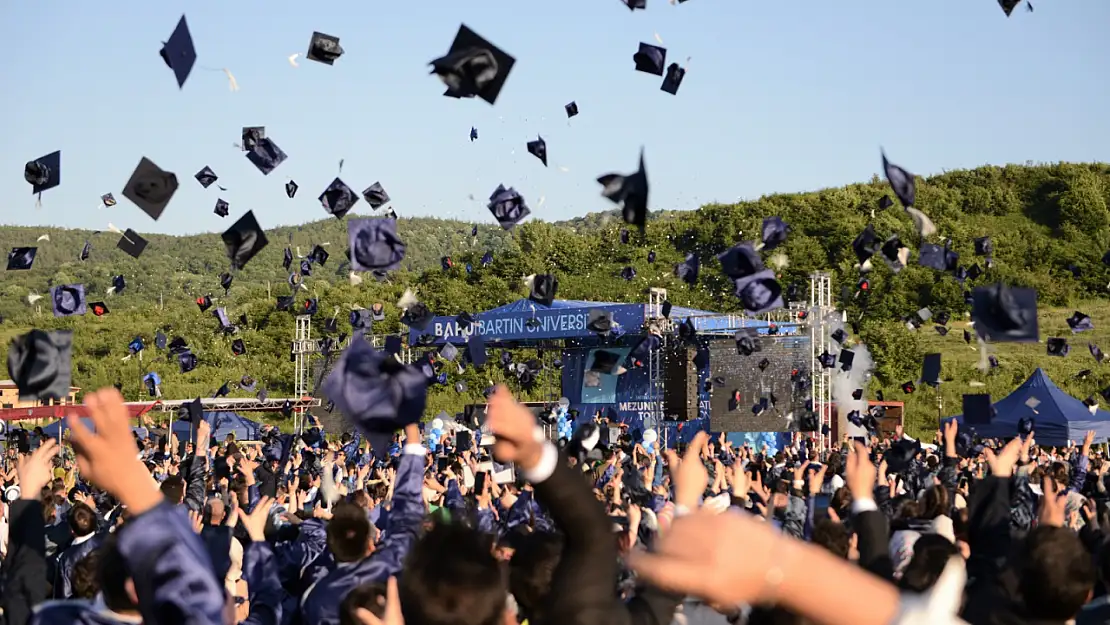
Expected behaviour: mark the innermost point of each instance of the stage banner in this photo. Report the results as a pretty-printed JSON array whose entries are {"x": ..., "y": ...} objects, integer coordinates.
[{"x": 524, "y": 325}]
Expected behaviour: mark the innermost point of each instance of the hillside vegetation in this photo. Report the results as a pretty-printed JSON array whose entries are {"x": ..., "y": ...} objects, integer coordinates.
[{"x": 1049, "y": 223}]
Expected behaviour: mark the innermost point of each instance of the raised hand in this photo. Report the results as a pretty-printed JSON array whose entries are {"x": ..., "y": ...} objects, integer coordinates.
[
  {"x": 255, "y": 522},
  {"x": 34, "y": 471},
  {"x": 392, "y": 615},
  {"x": 514, "y": 426}
]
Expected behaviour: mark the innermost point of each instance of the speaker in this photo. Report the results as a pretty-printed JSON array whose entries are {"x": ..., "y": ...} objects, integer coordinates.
[{"x": 680, "y": 384}]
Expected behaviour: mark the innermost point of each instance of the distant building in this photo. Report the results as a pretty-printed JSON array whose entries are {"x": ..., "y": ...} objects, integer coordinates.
[{"x": 9, "y": 397}]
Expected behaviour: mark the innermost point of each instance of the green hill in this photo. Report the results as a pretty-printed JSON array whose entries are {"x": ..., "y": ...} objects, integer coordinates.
[{"x": 1041, "y": 218}]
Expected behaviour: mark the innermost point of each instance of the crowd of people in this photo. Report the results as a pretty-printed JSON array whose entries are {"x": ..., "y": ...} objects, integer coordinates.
[{"x": 318, "y": 528}]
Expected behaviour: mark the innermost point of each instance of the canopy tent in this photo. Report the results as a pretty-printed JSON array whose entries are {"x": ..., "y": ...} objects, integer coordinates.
[
  {"x": 1058, "y": 417},
  {"x": 223, "y": 423}
]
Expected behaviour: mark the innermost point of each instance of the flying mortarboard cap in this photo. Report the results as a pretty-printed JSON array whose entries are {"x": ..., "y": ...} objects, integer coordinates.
[
  {"x": 21, "y": 258},
  {"x": 885, "y": 202},
  {"x": 221, "y": 316},
  {"x": 600, "y": 321},
  {"x": 774, "y": 232},
  {"x": 908, "y": 387},
  {"x": 665, "y": 309},
  {"x": 284, "y": 302},
  {"x": 865, "y": 244},
  {"x": 857, "y": 394},
  {"x": 631, "y": 192},
  {"x": 473, "y": 67},
  {"x": 740, "y": 261},
  {"x": 759, "y": 293},
  {"x": 538, "y": 148},
  {"x": 635, "y": 4},
  {"x": 68, "y": 299},
  {"x": 1096, "y": 352},
  {"x": 319, "y": 255},
  {"x": 266, "y": 156},
  {"x": 131, "y": 243},
  {"x": 747, "y": 342},
  {"x": 225, "y": 280},
  {"x": 417, "y": 316},
  {"x": 930, "y": 255},
  {"x": 85, "y": 251},
  {"x": 39, "y": 364},
  {"x": 895, "y": 254},
  {"x": 941, "y": 330},
  {"x": 651, "y": 256},
  {"x": 846, "y": 358},
  {"x": 628, "y": 273},
  {"x": 983, "y": 246},
  {"x": 543, "y": 288},
  {"x": 179, "y": 53},
  {"x": 673, "y": 80},
  {"x": 99, "y": 308},
  {"x": 150, "y": 188},
  {"x": 222, "y": 208},
  {"x": 204, "y": 302},
  {"x": 376, "y": 196},
  {"x": 1079, "y": 322},
  {"x": 178, "y": 345},
  {"x": 251, "y": 135},
  {"x": 243, "y": 240},
  {"x": 448, "y": 351},
  {"x": 287, "y": 258},
  {"x": 160, "y": 340},
  {"x": 476, "y": 350},
  {"x": 571, "y": 109},
  {"x": 1005, "y": 314},
  {"x": 650, "y": 59},
  {"x": 206, "y": 177},
  {"x": 186, "y": 361},
  {"x": 324, "y": 49},
  {"x": 238, "y": 348},
  {"x": 839, "y": 335},
  {"x": 763, "y": 364},
  {"x": 291, "y": 189},
  {"x": 1057, "y": 347},
  {"x": 44, "y": 173},
  {"x": 507, "y": 206},
  {"x": 930, "y": 369},
  {"x": 901, "y": 182},
  {"x": 978, "y": 409},
  {"x": 360, "y": 319},
  {"x": 377, "y": 311},
  {"x": 374, "y": 244},
  {"x": 338, "y": 198},
  {"x": 473, "y": 133},
  {"x": 464, "y": 320},
  {"x": 310, "y": 307}
]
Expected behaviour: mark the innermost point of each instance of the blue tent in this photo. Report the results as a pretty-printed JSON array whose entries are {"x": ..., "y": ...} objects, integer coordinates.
[
  {"x": 60, "y": 426},
  {"x": 1058, "y": 417},
  {"x": 222, "y": 423}
]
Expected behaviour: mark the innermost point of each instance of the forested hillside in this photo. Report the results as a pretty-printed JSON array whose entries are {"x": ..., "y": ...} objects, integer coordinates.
[{"x": 1049, "y": 223}]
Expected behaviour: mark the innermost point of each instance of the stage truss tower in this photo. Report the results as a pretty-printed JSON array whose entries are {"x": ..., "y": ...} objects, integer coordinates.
[
  {"x": 821, "y": 306},
  {"x": 656, "y": 297}
]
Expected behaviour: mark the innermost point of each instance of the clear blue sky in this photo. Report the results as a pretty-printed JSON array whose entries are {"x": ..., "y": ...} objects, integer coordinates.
[{"x": 777, "y": 98}]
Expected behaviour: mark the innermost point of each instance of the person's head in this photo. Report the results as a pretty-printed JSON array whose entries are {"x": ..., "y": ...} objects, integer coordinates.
[
  {"x": 81, "y": 519},
  {"x": 931, "y": 553},
  {"x": 1055, "y": 574},
  {"x": 1060, "y": 473},
  {"x": 530, "y": 570},
  {"x": 85, "y": 582},
  {"x": 832, "y": 536},
  {"x": 173, "y": 488},
  {"x": 841, "y": 501},
  {"x": 934, "y": 502},
  {"x": 361, "y": 499},
  {"x": 215, "y": 511},
  {"x": 115, "y": 580},
  {"x": 350, "y": 534},
  {"x": 370, "y": 596},
  {"x": 451, "y": 577}
]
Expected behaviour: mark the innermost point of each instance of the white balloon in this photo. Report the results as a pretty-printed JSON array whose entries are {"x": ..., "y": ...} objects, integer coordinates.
[
  {"x": 437, "y": 424},
  {"x": 650, "y": 436}
]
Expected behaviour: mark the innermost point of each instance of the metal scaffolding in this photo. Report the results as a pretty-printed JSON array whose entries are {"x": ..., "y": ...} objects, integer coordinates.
[
  {"x": 821, "y": 306},
  {"x": 656, "y": 383}
]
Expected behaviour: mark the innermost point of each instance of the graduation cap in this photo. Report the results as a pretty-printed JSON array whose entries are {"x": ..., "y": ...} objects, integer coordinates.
[
  {"x": 978, "y": 409},
  {"x": 908, "y": 388},
  {"x": 507, "y": 206},
  {"x": 865, "y": 244},
  {"x": 635, "y": 4},
  {"x": 1079, "y": 322},
  {"x": 901, "y": 182},
  {"x": 930, "y": 369},
  {"x": 763, "y": 364},
  {"x": 930, "y": 255},
  {"x": 238, "y": 348},
  {"x": 85, "y": 251},
  {"x": 417, "y": 316},
  {"x": 221, "y": 316},
  {"x": 204, "y": 302},
  {"x": 446, "y": 262},
  {"x": 221, "y": 208},
  {"x": 160, "y": 340},
  {"x": 376, "y": 196},
  {"x": 673, "y": 80},
  {"x": 895, "y": 253},
  {"x": 543, "y": 288},
  {"x": 131, "y": 243},
  {"x": 839, "y": 335},
  {"x": 151, "y": 381},
  {"x": 291, "y": 189},
  {"x": 136, "y": 345},
  {"x": 631, "y": 192},
  {"x": 942, "y": 318},
  {"x": 251, "y": 135},
  {"x": 538, "y": 148},
  {"x": 650, "y": 59},
  {"x": 983, "y": 246},
  {"x": 39, "y": 363},
  {"x": 628, "y": 273},
  {"x": 246, "y": 383},
  {"x": 901, "y": 454},
  {"x": 747, "y": 342},
  {"x": 266, "y": 156},
  {"x": 473, "y": 133},
  {"x": 150, "y": 188},
  {"x": 311, "y": 306},
  {"x": 324, "y": 49},
  {"x": 941, "y": 330},
  {"x": 846, "y": 358},
  {"x": 1057, "y": 347},
  {"x": 774, "y": 232},
  {"x": 178, "y": 346},
  {"x": 606, "y": 362},
  {"x": 376, "y": 392},
  {"x": 759, "y": 293},
  {"x": 473, "y": 67},
  {"x": 338, "y": 198},
  {"x": 285, "y": 302},
  {"x": 21, "y": 258},
  {"x": 68, "y": 300},
  {"x": 740, "y": 261},
  {"x": 1096, "y": 352},
  {"x": 306, "y": 268},
  {"x": 99, "y": 308},
  {"x": 44, "y": 173},
  {"x": 108, "y": 200},
  {"x": 624, "y": 236},
  {"x": 186, "y": 361},
  {"x": 243, "y": 240},
  {"x": 651, "y": 256},
  {"x": 571, "y": 109},
  {"x": 374, "y": 244},
  {"x": 179, "y": 53},
  {"x": 331, "y": 324},
  {"x": 1005, "y": 314},
  {"x": 600, "y": 321},
  {"x": 206, "y": 177},
  {"x": 225, "y": 281}
]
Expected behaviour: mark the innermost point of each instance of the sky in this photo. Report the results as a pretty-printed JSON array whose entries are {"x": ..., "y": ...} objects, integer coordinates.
[{"x": 780, "y": 96}]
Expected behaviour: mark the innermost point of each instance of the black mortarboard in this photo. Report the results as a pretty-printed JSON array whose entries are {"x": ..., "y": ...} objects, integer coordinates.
[
  {"x": 476, "y": 350},
  {"x": 338, "y": 198},
  {"x": 448, "y": 352},
  {"x": 376, "y": 196},
  {"x": 763, "y": 364},
  {"x": 150, "y": 188},
  {"x": 1096, "y": 353},
  {"x": 978, "y": 409},
  {"x": 538, "y": 148},
  {"x": 747, "y": 342},
  {"x": 417, "y": 316},
  {"x": 600, "y": 321},
  {"x": 544, "y": 287},
  {"x": 226, "y": 279},
  {"x": 571, "y": 109},
  {"x": 1079, "y": 322},
  {"x": 473, "y": 67},
  {"x": 266, "y": 156},
  {"x": 635, "y": 4},
  {"x": 628, "y": 273},
  {"x": 179, "y": 53},
  {"x": 839, "y": 335},
  {"x": 206, "y": 177},
  {"x": 651, "y": 256},
  {"x": 178, "y": 345},
  {"x": 901, "y": 182},
  {"x": 857, "y": 394},
  {"x": 238, "y": 347},
  {"x": 930, "y": 369},
  {"x": 131, "y": 243},
  {"x": 204, "y": 302},
  {"x": 983, "y": 246},
  {"x": 760, "y": 292},
  {"x": 740, "y": 261},
  {"x": 68, "y": 299},
  {"x": 650, "y": 59},
  {"x": 1057, "y": 347},
  {"x": 624, "y": 236},
  {"x": 507, "y": 206},
  {"x": 908, "y": 387},
  {"x": 930, "y": 255},
  {"x": 99, "y": 308},
  {"x": 291, "y": 189},
  {"x": 324, "y": 49},
  {"x": 885, "y": 202},
  {"x": 44, "y": 173},
  {"x": 221, "y": 315},
  {"x": 39, "y": 364},
  {"x": 160, "y": 340},
  {"x": 221, "y": 208},
  {"x": 673, "y": 80},
  {"x": 446, "y": 262},
  {"x": 894, "y": 253},
  {"x": 287, "y": 259},
  {"x": 243, "y": 240},
  {"x": 774, "y": 232},
  {"x": 605, "y": 362},
  {"x": 1005, "y": 314},
  {"x": 941, "y": 330},
  {"x": 1008, "y": 6},
  {"x": 85, "y": 251},
  {"x": 376, "y": 392},
  {"x": 186, "y": 361},
  {"x": 310, "y": 306},
  {"x": 901, "y": 454},
  {"x": 942, "y": 318},
  {"x": 21, "y": 258},
  {"x": 251, "y": 135},
  {"x": 847, "y": 357},
  {"x": 374, "y": 244},
  {"x": 473, "y": 133},
  {"x": 360, "y": 319},
  {"x": 464, "y": 320},
  {"x": 865, "y": 245},
  {"x": 631, "y": 192}
]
